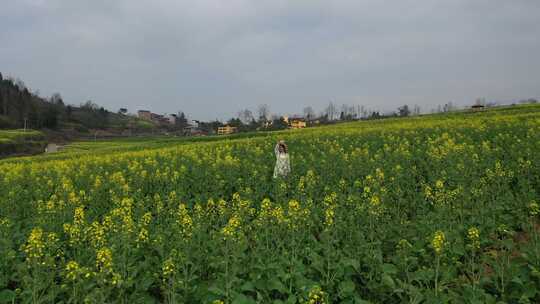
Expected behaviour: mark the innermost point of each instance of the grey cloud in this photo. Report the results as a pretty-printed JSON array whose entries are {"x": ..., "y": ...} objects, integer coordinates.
[{"x": 212, "y": 58}]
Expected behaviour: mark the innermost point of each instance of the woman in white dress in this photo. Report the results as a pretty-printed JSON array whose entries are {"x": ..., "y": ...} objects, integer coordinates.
[{"x": 283, "y": 166}]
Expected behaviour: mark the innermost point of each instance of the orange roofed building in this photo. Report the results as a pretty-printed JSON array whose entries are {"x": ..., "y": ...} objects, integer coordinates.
[
  {"x": 297, "y": 124},
  {"x": 226, "y": 130}
]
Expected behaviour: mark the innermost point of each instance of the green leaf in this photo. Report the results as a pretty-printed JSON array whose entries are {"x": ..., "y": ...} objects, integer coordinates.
[
  {"x": 145, "y": 283},
  {"x": 292, "y": 299},
  {"x": 388, "y": 281},
  {"x": 7, "y": 296},
  {"x": 346, "y": 287},
  {"x": 243, "y": 299},
  {"x": 389, "y": 268},
  {"x": 352, "y": 263},
  {"x": 275, "y": 284},
  {"x": 360, "y": 301},
  {"x": 216, "y": 290},
  {"x": 248, "y": 286}
]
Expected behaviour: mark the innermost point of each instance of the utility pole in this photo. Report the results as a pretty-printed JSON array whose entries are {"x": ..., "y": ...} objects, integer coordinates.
[{"x": 25, "y": 120}]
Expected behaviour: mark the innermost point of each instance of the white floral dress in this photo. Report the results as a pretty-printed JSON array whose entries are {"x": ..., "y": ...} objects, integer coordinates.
[{"x": 283, "y": 166}]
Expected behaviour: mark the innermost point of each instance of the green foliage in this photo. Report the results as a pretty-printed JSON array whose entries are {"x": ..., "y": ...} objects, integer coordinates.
[
  {"x": 432, "y": 209},
  {"x": 19, "y": 141}
]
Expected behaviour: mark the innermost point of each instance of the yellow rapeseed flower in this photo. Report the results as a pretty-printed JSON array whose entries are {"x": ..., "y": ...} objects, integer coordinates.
[
  {"x": 473, "y": 234},
  {"x": 316, "y": 296},
  {"x": 168, "y": 268},
  {"x": 438, "y": 242},
  {"x": 534, "y": 208},
  {"x": 184, "y": 220},
  {"x": 104, "y": 262},
  {"x": 230, "y": 231},
  {"x": 34, "y": 248}
]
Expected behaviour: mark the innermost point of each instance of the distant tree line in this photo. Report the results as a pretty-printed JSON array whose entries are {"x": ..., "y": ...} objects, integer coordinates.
[{"x": 19, "y": 108}]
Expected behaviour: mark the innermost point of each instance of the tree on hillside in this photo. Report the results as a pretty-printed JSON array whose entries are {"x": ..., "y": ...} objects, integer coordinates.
[
  {"x": 416, "y": 110},
  {"x": 69, "y": 111},
  {"x": 252, "y": 126},
  {"x": 56, "y": 99},
  {"x": 278, "y": 123},
  {"x": 235, "y": 122},
  {"x": 530, "y": 100},
  {"x": 263, "y": 112},
  {"x": 210, "y": 127},
  {"x": 20, "y": 84},
  {"x": 89, "y": 106},
  {"x": 50, "y": 117},
  {"x": 93, "y": 116},
  {"x": 404, "y": 111},
  {"x": 481, "y": 101},
  {"x": 246, "y": 116},
  {"x": 181, "y": 121},
  {"x": 448, "y": 107},
  {"x": 309, "y": 113},
  {"x": 331, "y": 111},
  {"x": 2, "y": 102},
  {"x": 375, "y": 115}
]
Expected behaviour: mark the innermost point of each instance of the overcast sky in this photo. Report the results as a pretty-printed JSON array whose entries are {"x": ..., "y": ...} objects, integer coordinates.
[{"x": 214, "y": 58}]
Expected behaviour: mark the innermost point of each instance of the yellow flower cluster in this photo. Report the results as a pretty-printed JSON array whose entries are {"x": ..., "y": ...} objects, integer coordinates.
[
  {"x": 41, "y": 248},
  {"x": 96, "y": 233},
  {"x": 329, "y": 216},
  {"x": 316, "y": 296},
  {"x": 403, "y": 245},
  {"x": 75, "y": 230},
  {"x": 74, "y": 272},
  {"x": 35, "y": 245},
  {"x": 4, "y": 222},
  {"x": 534, "y": 208},
  {"x": 121, "y": 218},
  {"x": 442, "y": 146},
  {"x": 473, "y": 234},
  {"x": 438, "y": 242},
  {"x": 143, "y": 228},
  {"x": 104, "y": 265},
  {"x": 143, "y": 236},
  {"x": 270, "y": 214},
  {"x": 231, "y": 230},
  {"x": 440, "y": 195},
  {"x": 330, "y": 202},
  {"x": 184, "y": 221},
  {"x": 242, "y": 206},
  {"x": 296, "y": 215},
  {"x": 168, "y": 268},
  {"x": 374, "y": 192},
  {"x": 104, "y": 261}
]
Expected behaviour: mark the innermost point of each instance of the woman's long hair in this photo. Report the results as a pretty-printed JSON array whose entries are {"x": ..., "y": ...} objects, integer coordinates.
[{"x": 284, "y": 147}]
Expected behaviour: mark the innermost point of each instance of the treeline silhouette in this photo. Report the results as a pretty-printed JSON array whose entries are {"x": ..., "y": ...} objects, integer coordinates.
[{"x": 19, "y": 108}]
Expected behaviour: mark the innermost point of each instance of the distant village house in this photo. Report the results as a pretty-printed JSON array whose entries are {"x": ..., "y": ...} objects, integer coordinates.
[
  {"x": 477, "y": 107},
  {"x": 297, "y": 124},
  {"x": 172, "y": 118},
  {"x": 226, "y": 130},
  {"x": 157, "y": 118},
  {"x": 143, "y": 114}
]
